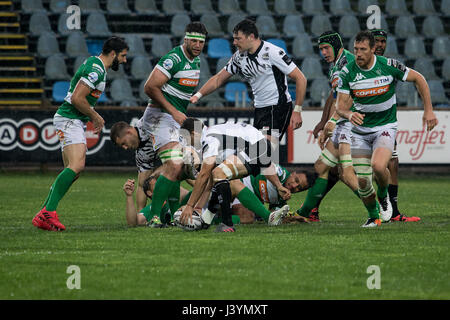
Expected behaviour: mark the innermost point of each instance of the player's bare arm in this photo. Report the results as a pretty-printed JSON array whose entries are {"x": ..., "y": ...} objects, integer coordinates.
[
  {"x": 211, "y": 85},
  {"x": 153, "y": 87},
  {"x": 429, "y": 118},
  {"x": 80, "y": 102},
  {"x": 141, "y": 198},
  {"x": 300, "y": 90},
  {"x": 343, "y": 104},
  {"x": 284, "y": 192},
  {"x": 199, "y": 187},
  {"x": 327, "y": 110}
]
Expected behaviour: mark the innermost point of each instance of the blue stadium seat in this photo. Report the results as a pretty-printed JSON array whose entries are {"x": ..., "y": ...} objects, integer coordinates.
[
  {"x": 423, "y": 7},
  {"x": 200, "y": 7},
  {"x": 266, "y": 26},
  {"x": 178, "y": 24},
  {"x": 257, "y": 7},
  {"x": 302, "y": 46},
  {"x": 56, "y": 68},
  {"x": 229, "y": 7},
  {"x": 340, "y": 7},
  {"x": 59, "y": 90},
  {"x": 218, "y": 48},
  {"x": 312, "y": 7},
  {"x": 279, "y": 43},
  {"x": 30, "y": 6},
  {"x": 432, "y": 27},
  {"x": 59, "y": 6},
  {"x": 348, "y": 26},
  {"x": 284, "y": 7},
  {"x": 233, "y": 91},
  {"x": 293, "y": 25},
  {"x": 146, "y": 7},
  {"x": 396, "y": 7},
  {"x": 94, "y": 46},
  {"x": 363, "y": 4},
  {"x": 445, "y": 7},
  {"x": 405, "y": 27}
]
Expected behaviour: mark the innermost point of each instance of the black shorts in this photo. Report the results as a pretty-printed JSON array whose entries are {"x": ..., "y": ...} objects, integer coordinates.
[
  {"x": 273, "y": 117},
  {"x": 257, "y": 156}
]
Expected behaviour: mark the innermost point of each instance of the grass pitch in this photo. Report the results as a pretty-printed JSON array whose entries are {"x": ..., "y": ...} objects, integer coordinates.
[{"x": 325, "y": 260}]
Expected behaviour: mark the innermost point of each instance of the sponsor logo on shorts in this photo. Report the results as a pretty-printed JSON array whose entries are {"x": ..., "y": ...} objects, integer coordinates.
[
  {"x": 385, "y": 134},
  {"x": 263, "y": 190},
  {"x": 188, "y": 82},
  {"x": 361, "y": 93}
]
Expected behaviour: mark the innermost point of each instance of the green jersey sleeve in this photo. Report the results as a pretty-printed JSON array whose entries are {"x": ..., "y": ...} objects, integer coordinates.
[
  {"x": 169, "y": 64},
  {"x": 343, "y": 84},
  {"x": 92, "y": 74}
]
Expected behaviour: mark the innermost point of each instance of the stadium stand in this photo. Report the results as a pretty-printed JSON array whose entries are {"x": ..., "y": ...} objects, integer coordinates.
[
  {"x": 418, "y": 36},
  {"x": 236, "y": 92},
  {"x": 285, "y": 7},
  {"x": 146, "y": 7}
]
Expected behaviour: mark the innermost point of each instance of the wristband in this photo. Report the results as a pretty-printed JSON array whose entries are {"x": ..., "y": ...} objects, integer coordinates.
[
  {"x": 333, "y": 120},
  {"x": 198, "y": 95},
  {"x": 298, "y": 108}
]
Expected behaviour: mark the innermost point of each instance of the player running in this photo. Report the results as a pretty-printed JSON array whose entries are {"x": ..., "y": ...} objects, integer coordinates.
[
  {"x": 366, "y": 97},
  {"x": 336, "y": 151},
  {"x": 380, "y": 47},
  {"x": 170, "y": 86},
  {"x": 70, "y": 120}
]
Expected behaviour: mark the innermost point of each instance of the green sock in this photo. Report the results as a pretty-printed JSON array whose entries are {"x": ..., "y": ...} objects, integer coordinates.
[
  {"x": 174, "y": 197},
  {"x": 373, "y": 209},
  {"x": 251, "y": 202},
  {"x": 357, "y": 194},
  {"x": 59, "y": 188},
  {"x": 382, "y": 192},
  {"x": 313, "y": 197},
  {"x": 163, "y": 188},
  {"x": 185, "y": 199}
]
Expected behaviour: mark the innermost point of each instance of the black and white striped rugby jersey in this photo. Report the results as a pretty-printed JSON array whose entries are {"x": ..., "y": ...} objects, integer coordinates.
[{"x": 265, "y": 71}]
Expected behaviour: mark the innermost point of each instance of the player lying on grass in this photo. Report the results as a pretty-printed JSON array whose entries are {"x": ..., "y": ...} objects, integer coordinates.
[{"x": 229, "y": 151}]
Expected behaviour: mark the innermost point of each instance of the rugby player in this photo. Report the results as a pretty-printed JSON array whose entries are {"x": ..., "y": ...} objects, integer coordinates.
[
  {"x": 86, "y": 87},
  {"x": 380, "y": 47},
  {"x": 170, "y": 86},
  {"x": 265, "y": 67},
  {"x": 366, "y": 97},
  {"x": 336, "y": 150},
  {"x": 229, "y": 151}
]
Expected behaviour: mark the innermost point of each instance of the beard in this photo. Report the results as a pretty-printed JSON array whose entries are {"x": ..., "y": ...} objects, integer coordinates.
[{"x": 115, "y": 64}]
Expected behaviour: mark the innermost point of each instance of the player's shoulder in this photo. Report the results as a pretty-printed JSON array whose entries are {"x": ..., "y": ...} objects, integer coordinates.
[
  {"x": 175, "y": 56},
  {"x": 347, "y": 57},
  {"x": 95, "y": 64},
  {"x": 272, "y": 49}
]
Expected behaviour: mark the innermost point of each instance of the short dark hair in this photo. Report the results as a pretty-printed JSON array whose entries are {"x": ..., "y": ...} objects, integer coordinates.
[
  {"x": 366, "y": 35},
  {"x": 196, "y": 27},
  {"x": 114, "y": 43},
  {"x": 247, "y": 27},
  {"x": 190, "y": 124},
  {"x": 117, "y": 130},
  {"x": 146, "y": 184}
]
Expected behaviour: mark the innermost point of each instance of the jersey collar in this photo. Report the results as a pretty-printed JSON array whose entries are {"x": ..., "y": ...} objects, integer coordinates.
[
  {"x": 253, "y": 55},
  {"x": 374, "y": 63},
  {"x": 104, "y": 68},
  {"x": 182, "y": 50}
]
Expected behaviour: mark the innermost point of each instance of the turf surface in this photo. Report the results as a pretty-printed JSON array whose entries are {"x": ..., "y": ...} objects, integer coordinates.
[{"x": 324, "y": 260}]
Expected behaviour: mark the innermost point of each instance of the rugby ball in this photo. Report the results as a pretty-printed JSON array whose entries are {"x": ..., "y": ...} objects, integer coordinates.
[{"x": 194, "y": 224}]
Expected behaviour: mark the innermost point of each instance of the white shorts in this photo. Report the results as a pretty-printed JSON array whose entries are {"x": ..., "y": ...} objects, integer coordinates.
[
  {"x": 365, "y": 144},
  {"x": 342, "y": 134},
  {"x": 69, "y": 131},
  {"x": 162, "y": 127}
]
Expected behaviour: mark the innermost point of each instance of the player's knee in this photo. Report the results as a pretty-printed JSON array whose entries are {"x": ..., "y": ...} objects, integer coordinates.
[{"x": 378, "y": 168}]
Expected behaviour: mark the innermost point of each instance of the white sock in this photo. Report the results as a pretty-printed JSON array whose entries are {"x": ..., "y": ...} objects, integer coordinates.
[{"x": 207, "y": 216}]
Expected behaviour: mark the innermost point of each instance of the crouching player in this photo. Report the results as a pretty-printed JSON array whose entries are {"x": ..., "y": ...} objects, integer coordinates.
[{"x": 229, "y": 151}]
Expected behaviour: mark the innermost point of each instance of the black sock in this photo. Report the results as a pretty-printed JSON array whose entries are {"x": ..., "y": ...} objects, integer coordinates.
[
  {"x": 332, "y": 180},
  {"x": 223, "y": 191},
  {"x": 393, "y": 192}
]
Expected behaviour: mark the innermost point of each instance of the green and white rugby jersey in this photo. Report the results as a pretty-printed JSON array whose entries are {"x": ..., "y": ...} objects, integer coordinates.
[
  {"x": 93, "y": 73},
  {"x": 373, "y": 91},
  {"x": 333, "y": 75},
  {"x": 147, "y": 209},
  {"x": 264, "y": 189},
  {"x": 183, "y": 74}
]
